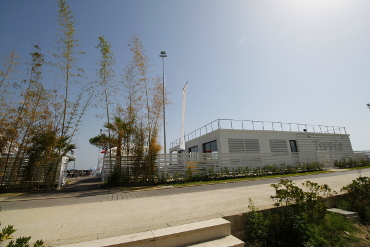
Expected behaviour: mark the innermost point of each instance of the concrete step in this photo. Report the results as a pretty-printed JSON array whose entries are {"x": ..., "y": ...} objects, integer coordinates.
[
  {"x": 228, "y": 241},
  {"x": 345, "y": 213},
  {"x": 192, "y": 233},
  {"x": 181, "y": 235}
]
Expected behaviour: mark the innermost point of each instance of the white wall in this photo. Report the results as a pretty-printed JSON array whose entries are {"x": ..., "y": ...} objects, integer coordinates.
[
  {"x": 306, "y": 141},
  {"x": 262, "y": 136},
  {"x": 312, "y": 142}
]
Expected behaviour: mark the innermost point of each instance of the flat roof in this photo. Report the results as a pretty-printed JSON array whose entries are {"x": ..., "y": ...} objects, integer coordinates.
[{"x": 259, "y": 125}]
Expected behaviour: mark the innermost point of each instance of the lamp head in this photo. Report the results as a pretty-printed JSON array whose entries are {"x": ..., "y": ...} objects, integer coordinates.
[{"x": 163, "y": 54}]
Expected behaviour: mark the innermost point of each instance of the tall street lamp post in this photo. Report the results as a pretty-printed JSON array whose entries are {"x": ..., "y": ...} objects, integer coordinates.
[{"x": 163, "y": 55}]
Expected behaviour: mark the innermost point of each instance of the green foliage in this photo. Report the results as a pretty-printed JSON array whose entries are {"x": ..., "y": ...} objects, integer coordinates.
[
  {"x": 295, "y": 219},
  {"x": 24, "y": 242},
  {"x": 358, "y": 197},
  {"x": 256, "y": 224},
  {"x": 211, "y": 173},
  {"x": 189, "y": 175},
  {"x": 101, "y": 141},
  {"x": 331, "y": 231},
  {"x": 6, "y": 233},
  {"x": 311, "y": 201},
  {"x": 350, "y": 163},
  {"x": 163, "y": 178}
]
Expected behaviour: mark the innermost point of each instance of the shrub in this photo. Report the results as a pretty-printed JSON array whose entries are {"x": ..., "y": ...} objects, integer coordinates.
[
  {"x": 358, "y": 197},
  {"x": 295, "y": 219},
  {"x": 350, "y": 163},
  {"x": 256, "y": 225}
]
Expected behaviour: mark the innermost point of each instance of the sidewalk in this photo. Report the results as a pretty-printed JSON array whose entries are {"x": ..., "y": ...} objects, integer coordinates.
[
  {"x": 71, "y": 222},
  {"x": 77, "y": 187},
  {"x": 82, "y": 187}
]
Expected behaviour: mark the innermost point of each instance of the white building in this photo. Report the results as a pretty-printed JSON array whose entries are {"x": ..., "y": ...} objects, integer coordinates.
[
  {"x": 246, "y": 136},
  {"x": 287, "y": 142}
]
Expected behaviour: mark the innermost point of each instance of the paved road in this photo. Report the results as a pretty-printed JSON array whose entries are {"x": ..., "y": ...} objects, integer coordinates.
[
  {"x": 86, "y": 190},
  {"x": 112, "y": 213}
]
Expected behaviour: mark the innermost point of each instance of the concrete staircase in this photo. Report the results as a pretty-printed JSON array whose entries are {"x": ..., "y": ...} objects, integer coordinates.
[{"x": 214, "y": 232}]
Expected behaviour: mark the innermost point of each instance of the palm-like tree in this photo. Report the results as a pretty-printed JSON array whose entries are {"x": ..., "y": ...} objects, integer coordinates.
[
  {"x": 102, "y": 141},
  {"x": 119, "y": 127}
]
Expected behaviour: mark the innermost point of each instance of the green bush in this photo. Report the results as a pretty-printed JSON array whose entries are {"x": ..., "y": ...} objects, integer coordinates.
[
  {"x": 293, "y": 222},
  {"x": 336, "y": 230},
  {"x": 350, "y": 163},
  {"x": 358, "y": 197},
  {"x": 256, "y": 225},
  {"x": 301, "y": 219},
  {"x": 213, "y": 173}
]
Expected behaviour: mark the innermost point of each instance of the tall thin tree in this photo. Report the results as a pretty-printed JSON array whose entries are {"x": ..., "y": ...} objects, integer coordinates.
[{"x": 106, "y": 78}]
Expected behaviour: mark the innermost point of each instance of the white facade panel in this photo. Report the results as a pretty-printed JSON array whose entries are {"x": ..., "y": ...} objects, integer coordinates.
[
  {"x": 263, "y": 137},
  {"x": 312, "y": 142}
]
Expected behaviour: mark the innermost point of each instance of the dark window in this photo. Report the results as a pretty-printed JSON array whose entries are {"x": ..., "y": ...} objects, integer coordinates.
[
  {"x": 293, "y": 146},
  {"x": 210, "y": 147},
  {"x": 193, "y": 149}
]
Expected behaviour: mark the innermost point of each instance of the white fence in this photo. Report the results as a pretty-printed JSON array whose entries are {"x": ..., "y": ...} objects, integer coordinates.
[
  {"x": 17, "y": 172},
  {"x": 180, "y": 163},
  {"x": 172, "y": 163}
]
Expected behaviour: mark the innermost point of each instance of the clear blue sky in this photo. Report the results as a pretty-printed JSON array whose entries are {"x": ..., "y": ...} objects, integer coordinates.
[{"x": 289, "y": 61}]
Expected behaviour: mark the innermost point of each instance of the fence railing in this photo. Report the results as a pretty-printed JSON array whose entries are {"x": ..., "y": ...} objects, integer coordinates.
[
  {"x": 20, "y": 174},
  {"x": 198, "y": 162},
  {"x": 170, "y": 164},
  {"x": 259, "y": 125}
]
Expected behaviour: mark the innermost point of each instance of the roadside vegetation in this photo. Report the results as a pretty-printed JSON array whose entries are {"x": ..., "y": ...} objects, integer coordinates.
[
  {"x": 193, "y": 176},
  {"x": 231, "y": 180},
  {"x": 45, "y": 96},
  {"x": 133, "y": 130},
  {"x": 301, "y": 217},
  {"x": 237, "y": 174},
  {"x": 358, "y": 198},
  {"x": 351, "y": 163}
]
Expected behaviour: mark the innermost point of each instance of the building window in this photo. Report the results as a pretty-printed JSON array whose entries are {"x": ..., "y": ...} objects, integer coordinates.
[
  {"x": 293, "y": 146},
  {"x": 193, "y": 149},
  {"x": 210, "y": 147}
]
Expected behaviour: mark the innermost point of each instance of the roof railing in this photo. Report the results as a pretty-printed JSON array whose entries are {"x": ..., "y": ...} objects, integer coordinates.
[{"x": 259, "y": 125}]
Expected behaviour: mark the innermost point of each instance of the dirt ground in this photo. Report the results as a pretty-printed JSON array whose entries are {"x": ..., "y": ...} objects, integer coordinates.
[{"x": 363, "y": 233}]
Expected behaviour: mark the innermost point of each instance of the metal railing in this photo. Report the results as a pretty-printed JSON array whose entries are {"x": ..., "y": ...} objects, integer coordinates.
[{"x": 259, "y": 125}]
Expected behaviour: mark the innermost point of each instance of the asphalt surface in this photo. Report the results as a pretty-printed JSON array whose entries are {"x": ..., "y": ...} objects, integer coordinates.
[
  {"x": 88, "y": 190},
  {"x": 85, "y": 211}
]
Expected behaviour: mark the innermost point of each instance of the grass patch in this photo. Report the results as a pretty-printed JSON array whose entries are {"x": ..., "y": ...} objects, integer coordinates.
[
  {"x": 336, "y": 230},
  {"x": 10, "y": 194},
  {"x": 358, "y": 168},
  {"x": 231, "y": 180}
]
